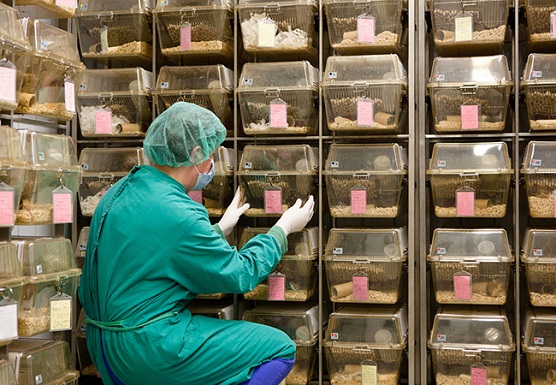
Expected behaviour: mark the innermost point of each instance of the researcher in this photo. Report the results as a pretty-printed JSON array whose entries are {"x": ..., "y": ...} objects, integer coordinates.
[{"x": 152, "y": 249}]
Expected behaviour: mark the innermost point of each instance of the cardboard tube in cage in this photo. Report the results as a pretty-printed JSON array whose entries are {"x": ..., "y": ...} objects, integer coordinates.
[
  {"x": 493, "y": 372},
  {"x": 551, "y": 375},
  {"x": 95, "y": 48},
  {"x": 479, "y": 287},
  {"x": 350, "y": 35},
  {"x": 443, "y": 35},
  {"x": 351, "y": 369},
  {"x": 548, "y": 289},
  {"x": 129, "y": 127},
  {"x": 481, "y": 203},
  {"x": 384, "y": 118},
  {"x": 27, "y": 100},
  {"x": 342, "y": 290}
]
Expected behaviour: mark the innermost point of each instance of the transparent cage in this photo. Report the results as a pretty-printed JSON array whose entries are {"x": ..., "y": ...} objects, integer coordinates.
[
  {"x": 470, "y": 94},
  {"x": 86, "y": 365},
  {"x": 357, "y": 335},
  {"x": 470, "y": 266},
  {"x": 49, "y": 9},
  {"x": 122, "y": 95},
  {"x": 53, "y": 164},
  {"x": 272, "y": 178},
  {"x": 12, "y": 165},
  {"x": 466, "y": 342},
  {"x": 539, "y": 85},
  {"x": 197, "y": 29},
  {"x": 11, "y": 275},
  {"x": 102, "y": 167},
  {"x": 365, "y": 265},
  {"x": 54, "y": 70},
  {"x": 469, "y": 28},
  {"x": 539, "y": 171},
  {"x": 539, "y": 345},
  {"x": 7, "y": 376},
  {"x": 470, "y": 179},
  {"x": 81, "y": 247},
  {"x": 278, "y": 98},
  {"x": 15, "y": 48},
  {"x": 43, "y": 362},
  {"x": 365, "y": 180},
  {"x": 364, "y": 27},
  {"x": 51, "y": 268},
  {"x": 209, "y": 86},
  {"x": 285, "y": 27},
  {"x": 115, "y": 29},
  {"x": 364, "y": 93},
  {"x": 297, "y": 265},
  {"x": 220, "y": 309},
  {"x": 539, "y": 260},
  {"x": 542, "y": 35}
]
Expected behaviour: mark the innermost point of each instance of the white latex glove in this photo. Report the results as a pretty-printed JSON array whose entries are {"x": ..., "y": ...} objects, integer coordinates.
[
  {"x": 232, "y": 214},
  {"x": 296, "y": 217}
]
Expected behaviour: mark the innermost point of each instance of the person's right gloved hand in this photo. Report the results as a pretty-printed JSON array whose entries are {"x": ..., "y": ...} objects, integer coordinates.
[{"x": 296, "y": 217}]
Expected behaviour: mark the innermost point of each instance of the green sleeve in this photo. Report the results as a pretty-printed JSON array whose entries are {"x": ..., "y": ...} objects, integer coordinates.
[{"x": 218, "y": 230}]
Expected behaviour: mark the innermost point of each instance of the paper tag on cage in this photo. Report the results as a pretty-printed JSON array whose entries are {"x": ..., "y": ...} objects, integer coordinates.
[
  {"x": 538, "y": 340},
  {"x": 60, "y": 312},
  {"x": 278, "y": 114},
  {"x": 185, "y": 37},
  {"x": 7, "y": 205},
  {"x": 8, "y": 319},
  {"x": 470, "y": 116},
  {"x": 196, "y": 195},
  {"x": 62, "y": 205},
  {"x": 553, "y": 25},
  {"x": 478, "y": 374},
  {"x": 8, "y": 76},
  {"x": 463, "y": 29},
  {"x": 273, "y": 200},
  {"x": 365, "y": 29},
  {"x": 103, "y": 122},
  {"x": 360, "y": 287},
  {"x": 358, "y": 200},
  {"x": 277, "y": 287},
  {"x": 104, "y": 40},
  {"x": 369, "y": 373},
  {"x": 365, "y": 113},
  {"x": 267, "y": 31},
  {"x": 462, "y": 285},
  {"x": 465, "y": 202},
  {"x": 69, "y": 95},
  {"x": 67, "y": 3}
]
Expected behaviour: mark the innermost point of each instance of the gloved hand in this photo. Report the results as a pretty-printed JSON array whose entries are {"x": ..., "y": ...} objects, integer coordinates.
[
  {"x": 296, "y": 217},
  {"x": 232, "y": 214}
]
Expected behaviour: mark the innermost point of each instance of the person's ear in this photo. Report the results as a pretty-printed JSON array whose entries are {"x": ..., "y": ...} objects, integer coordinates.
[{"x": 197, "y": 155}]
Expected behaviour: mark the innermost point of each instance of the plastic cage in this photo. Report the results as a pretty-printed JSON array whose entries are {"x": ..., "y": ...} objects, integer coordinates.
[
  {"x": 115, "y": 102},
  {"x": 539, "y": 260},
  {"x": 81, "y": 247},
  {"x": 278, "y": 98},
  {"x": 469, "y": 28},
  {"x": 197, "y": 29},
  {"x": 365, "y": 93},
  {"x": 102, "y": 167},
  {"x": 11, "y": 275},
  {"x": 471, "y": 342},
  {"x": 365, "y": 180},
  {"x": 358, "y": 336},
  {"x": 208, "y": 86},
  {"x": 470, "y": 94},
  {"x": 115, "y": 29},
  {"x": 364, "y": 27},
  {"x": 7, "y": 376},
  {"x": 539, "y": 171},
  {"x": 49, "y": 9},
  {"x": 12, "y": 170},
  {"x": 470, "y": 179},
  {"x": 539, "y": 85},
  {"x": 470, "y": 266},
  {"x": 539, "y": 344},
  {"x": 220, "y": 309},
  {"x": 272, "y": 178},
  {"x": 296, "y": 268},
  {"x": 541, "y": 25}
]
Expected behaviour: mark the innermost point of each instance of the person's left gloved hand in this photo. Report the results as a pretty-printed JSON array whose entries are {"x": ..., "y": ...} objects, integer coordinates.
[{"x": 232, "y": 214}]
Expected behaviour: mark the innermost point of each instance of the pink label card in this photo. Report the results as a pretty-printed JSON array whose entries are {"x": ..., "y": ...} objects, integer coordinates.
[
  {"x": 8, "y": 81},
  {"x": 278, "y": 115},
  {"x": 365, "y": 113},
  {"x": 273, "y": 201},
  {"x": 478, "y": 376},
  {"x": 276, "y": 287},
  {"x": 365, "y": 30},
  {"x": 360, "y": 288},
  {"x": 196, "y": 195},
  {"x": 69, "y": 96},
  {"x": 62, "y": 211},
  {"x": 185, "y": 37},
  {"x": 66, "y": 3},
  {"x": 465, "y": 203},
  {"x": 470, "y": 117},
  {"x": 103, "y": 122},
  {"x": 462, "y": 287},
  {"x": 7, "y": 209},
  {"x": 358, "y": 201}
]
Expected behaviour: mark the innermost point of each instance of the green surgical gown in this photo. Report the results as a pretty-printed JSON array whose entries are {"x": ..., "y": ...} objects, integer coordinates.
[{"x": 152, "y": 249}]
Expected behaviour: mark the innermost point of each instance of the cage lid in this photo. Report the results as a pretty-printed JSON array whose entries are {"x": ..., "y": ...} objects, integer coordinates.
[
  {"x": 10, "y": 266},
  {"x": 48, "y": 150},
  {"x": 540, "y": 68},
  {"x": 479, "y": 70},
  {"x": 209, "y": 78},
  {"x": 224, "y": 161},
  {"x": 374, "y": 158},
  {"x": 539, "y": 330},
  {"x": 539, "y": 246},
  {"x": 300, "y": 74},
  {"x": 369, "y": 69},
  {"x": 299, "y": 320},
  {"x": 177, "y": 5},
  {"x": 380, "y": 327},
  {"x": 540, "y": 157},
  {"x": 369, "y": 244},
  {"x": 478, "y": 328},
  {"x": 87, "y": 7},
  {"x": 110, "y": 160},
  {"x": 44, "y": 358},
  {"x": 10, "y": 146},
  {"x": 11, "y": 29},
  {"x": 271, "y": 5},
  {"x": 81, "y": 247},
  {"x": 7, "y": 376},
  {"x": 122, "y": 81},
  {"x": 302, "y": 245},
  {"x": 292, "y": 159},
  {"x": 484, "y": 245},
  {"x": 491, "y": 158},
  {"x": 47, "y": 255}
]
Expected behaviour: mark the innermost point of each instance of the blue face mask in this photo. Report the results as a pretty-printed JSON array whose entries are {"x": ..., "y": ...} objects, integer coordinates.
[{"x": 204, "y": 179}]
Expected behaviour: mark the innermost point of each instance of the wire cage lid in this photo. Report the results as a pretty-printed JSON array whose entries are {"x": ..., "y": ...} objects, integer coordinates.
[
  {"x": 540, "y": 157},
  {"x": 455, "y": 158},
  {"x": 121, "y": 81},
  {"x": 302, "y": 245},
  {"x": 478, "y": 70},
  {"x": 209, "y": 78},
  {"x": 368, "y": 69}
]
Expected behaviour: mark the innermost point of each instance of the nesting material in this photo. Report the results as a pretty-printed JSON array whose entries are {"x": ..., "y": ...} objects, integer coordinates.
[
  {"x": 449, "y": 125},
  {"x": 538, "y": 299},
  {"x": 354, "y": 378},
  {"x": 264, "y": 128},
  {"x": 34, "y": 214},
  {"x": 52, "y": 110},
  {"x": 132, "y": 48},
  {"x": 476, "y": 298},
  {"x": 541, "y": 207},
  {"x": 87, "y": 121},
  {"x": 383, "y": 38},
  {"x": 90, "y": 370},
  {"x": 201, "y": 47},
  {"x": 484, "y": 36},
  {"x": 371, "y": 211},
  {"x": 298, "y": 376},
  {"x": 286, "y": 38},
  {"x": 89, "y": 204},
  {"x": 374, "y": 297},
  {"x": 34, "y": 321},
  {"x": 495, "y": 211},
  {"x": 341, "y": 123},
  {"x": 260, "y": 293},
  {"x": 215, "y": 212},
  {"x": 465, "y": 379}
]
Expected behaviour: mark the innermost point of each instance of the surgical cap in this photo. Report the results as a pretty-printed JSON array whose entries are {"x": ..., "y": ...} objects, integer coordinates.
[{"x": 174, "y": 134}]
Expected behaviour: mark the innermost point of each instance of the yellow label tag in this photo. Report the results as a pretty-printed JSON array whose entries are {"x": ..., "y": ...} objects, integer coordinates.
[
  {"x": 368, "y": 375},
  {"x": 267, "y": 30},
  {"x": 60, "y": 315},
  {"x": 464, "y": 28}
]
